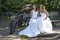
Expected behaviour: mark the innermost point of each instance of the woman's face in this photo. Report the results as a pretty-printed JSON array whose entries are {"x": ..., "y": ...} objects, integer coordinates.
[
  {"x": 34, "y": 7},
  {"x": 42, "y": 8}
]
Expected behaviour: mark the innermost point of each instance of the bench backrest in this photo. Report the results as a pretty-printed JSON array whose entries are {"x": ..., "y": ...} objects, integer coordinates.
[{"x": 54, "y": 15}]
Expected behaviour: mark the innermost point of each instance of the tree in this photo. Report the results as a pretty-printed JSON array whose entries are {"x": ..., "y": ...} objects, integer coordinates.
[
  {"x": 13, "y": 5},
  {"x": 51, "y": 5}
]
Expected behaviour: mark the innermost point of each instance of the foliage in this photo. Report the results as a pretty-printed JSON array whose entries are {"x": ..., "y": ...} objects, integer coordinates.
[
  {"x": 51, "y": 5},
  {"x": 15, "y": 5},
  {"x": 12, "y": 4}
]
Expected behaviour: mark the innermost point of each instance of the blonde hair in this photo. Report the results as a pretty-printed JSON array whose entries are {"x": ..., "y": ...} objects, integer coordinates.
[{"x": 43, "y": 7}]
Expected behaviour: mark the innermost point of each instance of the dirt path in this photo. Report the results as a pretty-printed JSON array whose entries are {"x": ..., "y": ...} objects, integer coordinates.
[{"x": 4, "y": 31}]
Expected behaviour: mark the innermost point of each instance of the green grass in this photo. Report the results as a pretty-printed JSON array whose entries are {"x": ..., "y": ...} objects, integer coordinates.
[{"x": 24, "y": 36}]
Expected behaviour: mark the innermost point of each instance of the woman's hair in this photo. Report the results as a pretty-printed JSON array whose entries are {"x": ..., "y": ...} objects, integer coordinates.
[
  {"x": 38, "y": 10},
  {"x": 43, "y": 6}
]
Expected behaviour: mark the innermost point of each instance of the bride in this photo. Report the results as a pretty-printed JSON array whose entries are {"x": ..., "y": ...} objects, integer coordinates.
[
  {"x": 45, "y": 25},
  {"x": 38, "y": 24},
  {"x": 32, "y": 29}
]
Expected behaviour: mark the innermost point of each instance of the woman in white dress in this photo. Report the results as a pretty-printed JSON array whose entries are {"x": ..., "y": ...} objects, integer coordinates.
[
  {"x": 44, "y": 23},
  {"x": 32, "y": 29}
]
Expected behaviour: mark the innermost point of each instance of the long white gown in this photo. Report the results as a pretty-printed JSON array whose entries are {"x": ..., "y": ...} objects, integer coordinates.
[
  {"x": 44, "y": 25},
  {"x": 32, "y": 29}
]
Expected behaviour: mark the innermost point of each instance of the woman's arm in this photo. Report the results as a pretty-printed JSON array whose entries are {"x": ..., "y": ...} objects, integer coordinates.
[{"x": 46, "y": 14}]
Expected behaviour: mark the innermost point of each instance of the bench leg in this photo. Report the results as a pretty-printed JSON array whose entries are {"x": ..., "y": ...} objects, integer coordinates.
[{"x": 53, "y": 24}]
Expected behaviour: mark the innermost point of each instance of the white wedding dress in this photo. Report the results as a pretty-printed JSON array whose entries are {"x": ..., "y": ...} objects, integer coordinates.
[
  {"x": 44, "y": 25},
  {"x": 32, "y": 29}
]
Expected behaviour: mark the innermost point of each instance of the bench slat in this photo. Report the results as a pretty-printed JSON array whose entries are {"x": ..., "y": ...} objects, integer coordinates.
[{"x": 55, "y": 20}]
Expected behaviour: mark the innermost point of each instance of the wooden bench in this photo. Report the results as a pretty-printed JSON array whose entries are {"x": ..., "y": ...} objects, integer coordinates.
[{"x": 54, "y": 16}]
